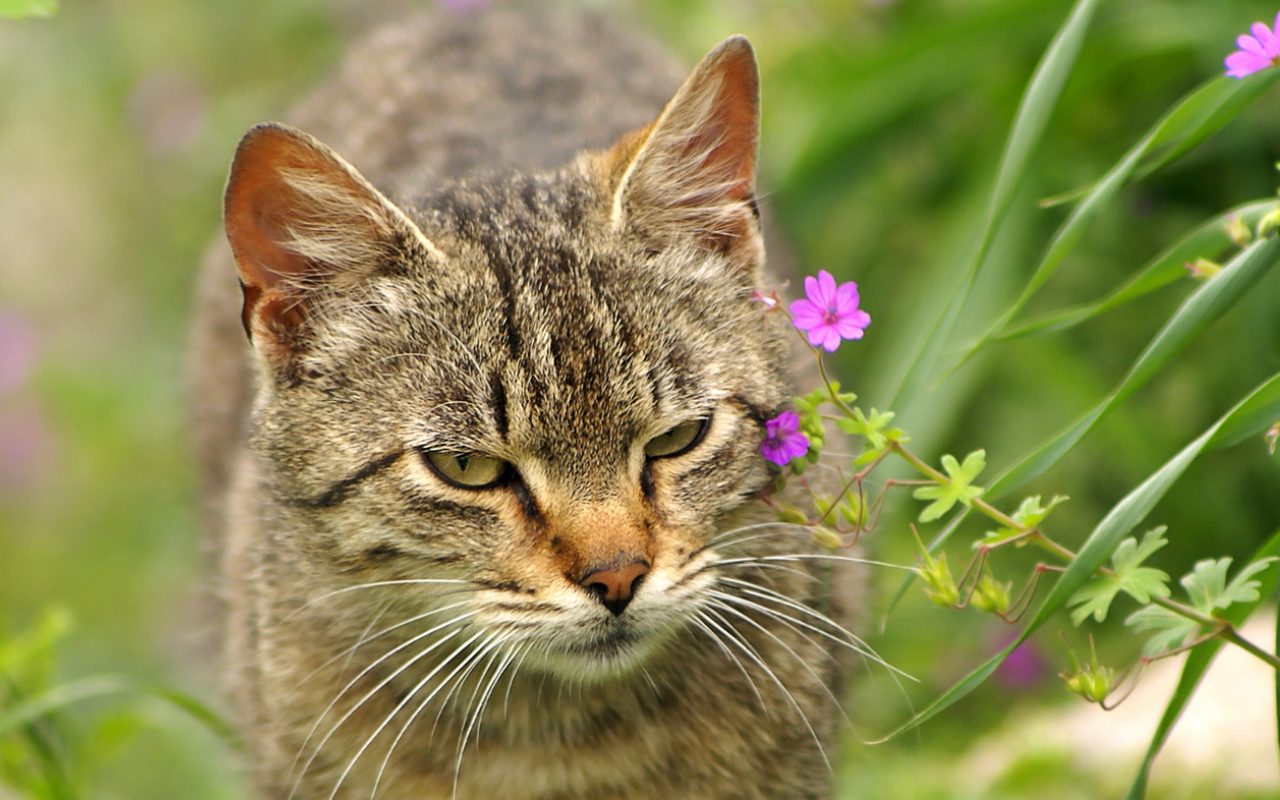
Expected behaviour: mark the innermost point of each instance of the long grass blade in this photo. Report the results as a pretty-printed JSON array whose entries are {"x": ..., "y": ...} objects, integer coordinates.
[
  {"x": 1030, "y": 122},
  {"x": 1208, "y": 240},
  {"x": 1209, "y": 302},
  {"x": 1201, "y": 113}
]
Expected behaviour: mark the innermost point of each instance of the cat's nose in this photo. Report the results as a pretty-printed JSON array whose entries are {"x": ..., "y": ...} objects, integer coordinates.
[{"x": 614, "y": 586}]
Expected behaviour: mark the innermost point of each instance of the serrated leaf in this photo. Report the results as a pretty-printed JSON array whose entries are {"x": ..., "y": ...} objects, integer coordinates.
[
  {"x": 1029, "y": 515},
  {"x": 1171, "y": 630},
  {"x": 1207, "y": 586},
  {"x": 870, "y": 427},
  {"x": 1206, "y": 582},
  {"x": 1139, "y": 582},
  {"x": 1130, "y": 554},
  {"x": 957, "y": 489},
  {"x": 1244, "y": 588}
]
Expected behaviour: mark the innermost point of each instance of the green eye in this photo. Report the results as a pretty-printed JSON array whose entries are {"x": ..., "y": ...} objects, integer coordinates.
[
  {"x": 677, "y": 441},
  {"x": 466, "y": 470}
]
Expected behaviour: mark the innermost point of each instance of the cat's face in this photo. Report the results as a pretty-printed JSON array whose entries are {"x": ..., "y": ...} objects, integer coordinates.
[{"x": 528, "y": 405}]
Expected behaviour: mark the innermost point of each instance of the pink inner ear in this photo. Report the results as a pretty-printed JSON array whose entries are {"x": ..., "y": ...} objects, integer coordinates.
[
  {"x": 262, "y": 210},
  {"x": 260, "y": 205},
  {"x": 693, "y": 172},
  {"x": 734, "y": 123}
]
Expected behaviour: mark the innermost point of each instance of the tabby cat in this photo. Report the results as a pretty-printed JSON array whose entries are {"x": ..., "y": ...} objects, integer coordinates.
[{"x": 488, "y": 476}]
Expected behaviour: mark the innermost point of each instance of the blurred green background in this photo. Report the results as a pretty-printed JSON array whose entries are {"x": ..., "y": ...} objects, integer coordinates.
[{"x": 884, "y": 122}]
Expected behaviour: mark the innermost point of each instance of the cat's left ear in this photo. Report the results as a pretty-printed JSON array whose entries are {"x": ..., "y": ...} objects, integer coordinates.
[
  {"x": 691, "y": 174},
  {"x": 304, "y": 224}
]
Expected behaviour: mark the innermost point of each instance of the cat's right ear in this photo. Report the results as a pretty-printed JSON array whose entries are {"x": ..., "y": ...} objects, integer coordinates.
[
  {"x": 303, "y": 222},
  {"x": 690, "y": 176}
]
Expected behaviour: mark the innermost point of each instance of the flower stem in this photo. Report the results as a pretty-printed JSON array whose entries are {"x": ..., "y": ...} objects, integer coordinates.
[{"x": 1220, "y": 628}]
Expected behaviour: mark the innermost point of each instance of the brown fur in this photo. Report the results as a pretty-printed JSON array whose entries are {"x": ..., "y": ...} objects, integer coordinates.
[{"x": 514, "y": 288}]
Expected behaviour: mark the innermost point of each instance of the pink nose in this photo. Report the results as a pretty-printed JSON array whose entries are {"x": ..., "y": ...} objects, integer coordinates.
[{"x": 614, "y": 587}]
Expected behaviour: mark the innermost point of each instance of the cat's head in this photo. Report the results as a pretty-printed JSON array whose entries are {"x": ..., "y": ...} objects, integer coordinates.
[{"x": 533, "y": 400}]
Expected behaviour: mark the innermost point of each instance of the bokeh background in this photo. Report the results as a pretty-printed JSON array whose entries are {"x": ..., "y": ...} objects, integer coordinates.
[{"x": 884, "y": 120}]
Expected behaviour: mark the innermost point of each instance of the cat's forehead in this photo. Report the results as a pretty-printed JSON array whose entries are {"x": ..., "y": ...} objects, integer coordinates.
[{"x": 580, "y": 338}]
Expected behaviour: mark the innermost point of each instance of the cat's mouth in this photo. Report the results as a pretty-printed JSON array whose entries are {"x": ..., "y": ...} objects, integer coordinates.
[{"x": 614, "y": 641}]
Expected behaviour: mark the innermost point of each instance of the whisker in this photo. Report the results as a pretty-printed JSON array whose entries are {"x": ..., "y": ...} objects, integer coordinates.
[
  {"x": 468, "y": 663},
  {"x": 814, "y": 557},
  {"x": 475, "y": 721},
  {"x": 821, "y": 681},
  {"x": 320, "y": 747},
  {"x": 387, "y": 720},
  {"x": 853, "y": 642},
  {"x": 702, "y": 624},
  {"x": 735, "y": 637},
  {"x": 372, "y": 585}
]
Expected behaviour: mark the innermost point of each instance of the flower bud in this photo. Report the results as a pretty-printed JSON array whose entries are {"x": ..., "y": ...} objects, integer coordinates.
[
  {"x": 1237, "y": 230},
  {"x": 827, "y": 538},
  {"x": 991, "y": 596},
  {"x": 939, "y": 586},
  {"x": 792, "y": 515}
]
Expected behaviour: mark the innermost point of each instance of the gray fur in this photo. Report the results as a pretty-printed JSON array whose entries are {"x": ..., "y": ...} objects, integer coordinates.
[{"x": 519, "y": 324}]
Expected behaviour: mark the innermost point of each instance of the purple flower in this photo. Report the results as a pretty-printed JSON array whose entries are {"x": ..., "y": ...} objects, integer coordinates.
[
  {"x": 783, "y": 440},
  {"x": 830, "y": 313},
  {"x": 1257, "y": 52}
]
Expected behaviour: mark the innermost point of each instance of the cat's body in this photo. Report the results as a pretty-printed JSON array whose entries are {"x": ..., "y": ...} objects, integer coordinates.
[{"x": 470, "y": 523}]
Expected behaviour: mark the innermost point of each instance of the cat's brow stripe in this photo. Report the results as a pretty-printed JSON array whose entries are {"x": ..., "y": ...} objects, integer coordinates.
[
  {"x": 341, "y": 490},
  {"x": 757, "y": 414}
]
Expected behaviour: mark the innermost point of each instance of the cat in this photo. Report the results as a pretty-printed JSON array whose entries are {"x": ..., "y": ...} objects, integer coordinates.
[{"x": 494, "y": 521}]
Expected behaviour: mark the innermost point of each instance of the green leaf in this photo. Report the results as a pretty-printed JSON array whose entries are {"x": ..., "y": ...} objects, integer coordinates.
[
  {"x": 1106, "y": 536},
  {"x": 1244, "y": 588},
  {"x": 1207, "y": 303},
  {"x": 870, "y": 428},
  {"x": 958, "y": 489},
  {"x": 25, "y": 9},
  {"x": 1207, "y": 587},
  {"x": 1198, "y": 661},
  {"x": 1171, "y": 630},
  {"x": 1030, "y": 121},
  {"x": 1209, "y": 238},
  {"x": 1029, "y": 515},
  {"x": 1139, "y": 582},
  {"x": 1201, "y": 113}
]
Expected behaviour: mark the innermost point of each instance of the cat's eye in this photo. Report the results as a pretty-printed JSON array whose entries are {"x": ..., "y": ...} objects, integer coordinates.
[
  {"x": 677, "y": 441},
  {"x": 466, "y": 470}
]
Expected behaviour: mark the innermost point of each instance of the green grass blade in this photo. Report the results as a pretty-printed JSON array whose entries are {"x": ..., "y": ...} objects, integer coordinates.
[
  {"x": 1207, "y": 303},
  {"x": 1201, "y": 113},
  {"x": 1197, "y": 663},
  {"x": 1030, "y": 122},
  {"x": 1207, "y": 240},
  {"x": 1106, "y": 536},
  {"x": 74, "y": 692}
]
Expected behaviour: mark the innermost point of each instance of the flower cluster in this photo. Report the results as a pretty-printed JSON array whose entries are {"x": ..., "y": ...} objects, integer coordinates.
[{"x": 828, "y": 314}]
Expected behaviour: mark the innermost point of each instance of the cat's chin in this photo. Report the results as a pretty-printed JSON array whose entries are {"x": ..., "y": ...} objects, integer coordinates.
[{"x": 611, "y": 654}]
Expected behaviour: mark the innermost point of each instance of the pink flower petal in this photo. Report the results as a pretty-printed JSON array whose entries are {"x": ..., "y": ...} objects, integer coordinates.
[
  {"x": 846, "y": 297},
  {"x": 1263, "y": 34},
  {"x": 852, "y": 326},
  {"x": 1240, "y": 64},
  {"x": 826, "y": 290},
  {"x": 806, "y": 315},
  {"x": 1251, "y": 45}
]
